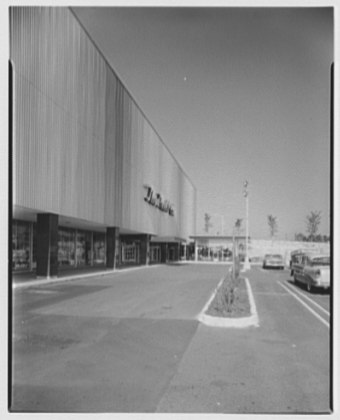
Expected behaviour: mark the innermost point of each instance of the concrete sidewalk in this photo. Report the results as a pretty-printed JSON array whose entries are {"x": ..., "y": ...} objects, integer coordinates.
[
  {"x": 20, "y": 280},
  {"x": 111, "y": 344}
]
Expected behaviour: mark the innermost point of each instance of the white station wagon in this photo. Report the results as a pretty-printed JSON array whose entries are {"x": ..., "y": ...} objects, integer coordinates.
[{"x": 312, "y": 270}]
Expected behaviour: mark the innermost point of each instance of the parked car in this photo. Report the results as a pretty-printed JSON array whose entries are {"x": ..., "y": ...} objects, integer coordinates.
[
  {"x": 313, "y": 270},
  {"x": 295, "y": 257},
  {"x": 273, "y": 261}
]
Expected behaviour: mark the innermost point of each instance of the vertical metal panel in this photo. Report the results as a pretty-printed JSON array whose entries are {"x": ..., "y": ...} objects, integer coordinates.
[
  {"x": 111, "y": 195},
  {"x": 119, "y": 180},
  {"x": 83, "y": 148},
  {"x": 126, "y": 162},
  {"x": 60, "y": 114},
  {"x": 151, "y": 163}
]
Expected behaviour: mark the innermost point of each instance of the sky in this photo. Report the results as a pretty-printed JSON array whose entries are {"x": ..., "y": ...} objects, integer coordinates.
[{"x": 236, "y": 94}]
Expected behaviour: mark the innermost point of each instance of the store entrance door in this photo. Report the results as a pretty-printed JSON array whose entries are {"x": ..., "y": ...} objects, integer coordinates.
[{"x": 155, "y": 254}]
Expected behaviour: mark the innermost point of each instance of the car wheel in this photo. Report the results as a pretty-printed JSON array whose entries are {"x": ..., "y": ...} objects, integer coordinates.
[{"x": 309, "y": 287}]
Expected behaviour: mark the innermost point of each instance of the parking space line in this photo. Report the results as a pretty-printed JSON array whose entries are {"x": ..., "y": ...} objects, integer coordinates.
[
  {"x": 305, "y": 304},
  {"x": 309, "y": 299}
]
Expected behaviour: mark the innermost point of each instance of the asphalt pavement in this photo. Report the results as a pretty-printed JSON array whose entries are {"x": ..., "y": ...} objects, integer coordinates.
[
  {"x": 131, "y": 342},
  {"x": 281, "y": 367}
]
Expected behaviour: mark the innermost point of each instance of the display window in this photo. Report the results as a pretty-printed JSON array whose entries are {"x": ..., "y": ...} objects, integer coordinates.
[
  {"x": 99, "y": 249},
  {"x": 84, "y": 248},
  {"x": 21, "y": 245},
  {"x": 76, "y": 248},
  {"x": 66, "y": 247}
]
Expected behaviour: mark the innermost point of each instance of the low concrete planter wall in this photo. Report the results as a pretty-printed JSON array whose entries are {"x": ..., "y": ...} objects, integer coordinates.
[{"x": 241, "y": 322}]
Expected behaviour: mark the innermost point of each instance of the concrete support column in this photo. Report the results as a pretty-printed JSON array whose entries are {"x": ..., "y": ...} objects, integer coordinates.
[
  {"x": 185, "y": 252},
  {"x": 164, "y": 252},
  {"x": 177, "y": 252},
  {"x": 145, "y": 249},
  {"x": 196, "y": 251},
  {"x": 112, "y": 247},
  {"x": 47, "y": 245}
]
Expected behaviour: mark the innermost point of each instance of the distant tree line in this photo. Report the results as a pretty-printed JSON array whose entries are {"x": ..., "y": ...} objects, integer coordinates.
[{"x": 313, "y": 220}]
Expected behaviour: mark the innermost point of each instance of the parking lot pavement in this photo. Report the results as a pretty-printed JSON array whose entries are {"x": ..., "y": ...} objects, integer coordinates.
[
  {"x": 107, "y": 344},
  {"x": 97, "y": 365},
  {"x": 281, "y": 367},
  {"x": 132, "y": 343},
  {"x": 162, "y": 292}
]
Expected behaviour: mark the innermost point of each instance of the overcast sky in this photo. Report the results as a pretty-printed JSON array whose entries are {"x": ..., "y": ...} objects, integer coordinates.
[{"x": 235, "y": 93}]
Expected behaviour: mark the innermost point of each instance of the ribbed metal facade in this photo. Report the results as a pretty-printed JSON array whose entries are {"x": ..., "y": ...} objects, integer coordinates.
[{"x": 82, "y": 147}]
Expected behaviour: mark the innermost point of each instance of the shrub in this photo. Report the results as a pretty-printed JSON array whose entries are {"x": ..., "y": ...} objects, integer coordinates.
[{"x": 231, "y": 299}]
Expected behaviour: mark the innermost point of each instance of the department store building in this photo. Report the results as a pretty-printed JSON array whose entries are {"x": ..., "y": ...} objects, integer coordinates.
[{"x": 93, "y": 183}]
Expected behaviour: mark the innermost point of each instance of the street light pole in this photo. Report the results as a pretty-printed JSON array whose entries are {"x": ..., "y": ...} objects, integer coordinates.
[{"x": 246, "y": 265}]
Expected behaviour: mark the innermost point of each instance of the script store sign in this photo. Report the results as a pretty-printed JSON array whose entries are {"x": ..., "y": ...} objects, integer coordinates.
[{"x": 156, "y": 200}]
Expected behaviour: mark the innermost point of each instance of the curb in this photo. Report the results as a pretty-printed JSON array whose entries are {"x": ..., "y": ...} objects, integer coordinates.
[{"x": 214, "y": 321}]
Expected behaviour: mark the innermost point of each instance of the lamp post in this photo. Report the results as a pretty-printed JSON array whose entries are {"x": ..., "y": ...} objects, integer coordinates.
[{"x": 246, "y": 265}]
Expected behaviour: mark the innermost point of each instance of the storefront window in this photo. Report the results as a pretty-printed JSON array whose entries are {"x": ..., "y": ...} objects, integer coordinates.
[
  {"x": 99, "y": 250},
  {"x": 130, "y": 253},
  {"x": 84, "y": 255},
  {"x": 21, "y": 245},
  {"x": 75, "y": 247},
  {"x": 66, "y": 247}
]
